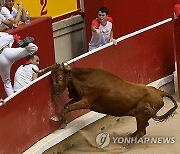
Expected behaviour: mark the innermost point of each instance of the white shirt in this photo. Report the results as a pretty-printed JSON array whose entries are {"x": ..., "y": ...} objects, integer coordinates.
[
  {"x": 2, "y": 19},
  {"x": 23, "y": 76},
  {"x": 7, "y": 14},
  {"x": 6, "y": 40},
  {"x": 98, "y": 40}
]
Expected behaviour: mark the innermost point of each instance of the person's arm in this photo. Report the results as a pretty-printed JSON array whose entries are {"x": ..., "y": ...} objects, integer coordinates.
[
  {"x": 23, "y": 14},
  {"x": 18, "y": 15},
  {"x": 112, "y": 39},
  {"x": 16, "y": 20},
  {"x": 34, "y": 76},
  {"x": 95, "y": 26},
  {"x": 7, "y": 23},
  {"x": 3, "y": 28},
  {"x": 94, "y": 29},
  {"x": 111, "y": 33}
]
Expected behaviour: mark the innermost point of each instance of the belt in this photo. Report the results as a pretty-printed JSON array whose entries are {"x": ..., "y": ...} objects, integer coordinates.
[{"x": 1, "y": 50}]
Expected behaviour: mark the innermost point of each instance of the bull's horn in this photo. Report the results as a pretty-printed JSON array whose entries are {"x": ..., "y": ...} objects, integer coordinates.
[
  {"x": 66, "y": 67},
  {"x": 47, "y": 69}
]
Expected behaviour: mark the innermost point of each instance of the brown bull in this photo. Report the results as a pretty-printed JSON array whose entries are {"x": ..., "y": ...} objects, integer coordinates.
[{"x": 103, "y": 92}]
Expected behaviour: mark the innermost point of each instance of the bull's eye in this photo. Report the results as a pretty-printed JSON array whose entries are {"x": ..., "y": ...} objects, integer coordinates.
[{"x": 60, "y": 77}]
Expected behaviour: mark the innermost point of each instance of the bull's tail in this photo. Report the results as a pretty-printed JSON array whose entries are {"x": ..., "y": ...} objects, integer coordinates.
[{"x": 170, "y": 112}]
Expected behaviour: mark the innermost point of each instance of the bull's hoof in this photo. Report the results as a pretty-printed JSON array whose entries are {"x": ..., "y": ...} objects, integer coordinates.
[
  {"x": 138, "y": 134},
  {"x": 56, "y": 118},
  {"x": 63, "y": 125},
  {"x": 133, "y": 134}
]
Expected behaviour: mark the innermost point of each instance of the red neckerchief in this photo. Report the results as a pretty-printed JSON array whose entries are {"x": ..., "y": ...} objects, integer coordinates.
[
  {"x": 16, "y": 38},
  {"x": 10, "y": 9},
  {"x": 27, "y": 63}
]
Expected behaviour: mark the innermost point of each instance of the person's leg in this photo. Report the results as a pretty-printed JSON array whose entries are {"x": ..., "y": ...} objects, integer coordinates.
[
  {"x": 7, "y": 84},
  {"x": 14, "y": 54},
  {"x": 5, "y": 66},
  {"x": 31, "y": 48}
]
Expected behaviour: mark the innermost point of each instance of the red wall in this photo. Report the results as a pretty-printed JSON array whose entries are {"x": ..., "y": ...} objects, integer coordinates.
[
  {"x": 25, "y": 119},
  {"x": 130, "y": 16}
]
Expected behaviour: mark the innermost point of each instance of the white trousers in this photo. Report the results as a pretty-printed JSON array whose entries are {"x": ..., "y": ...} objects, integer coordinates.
[{"x": 7, "y": 58}]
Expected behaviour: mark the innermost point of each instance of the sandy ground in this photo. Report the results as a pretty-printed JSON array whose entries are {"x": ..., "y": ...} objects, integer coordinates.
[{"x": 84, "y": 141}]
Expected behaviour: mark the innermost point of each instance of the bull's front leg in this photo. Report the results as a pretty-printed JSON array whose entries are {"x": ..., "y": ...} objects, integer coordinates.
[
  {"x": 82, "y": 104},
  {"x": 60, "y": 117},
  {"x": 71, "y": 106},
  {"x": 70, "y": 102}
]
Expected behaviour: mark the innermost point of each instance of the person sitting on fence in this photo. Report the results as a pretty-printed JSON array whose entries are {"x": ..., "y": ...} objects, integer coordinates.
[
  {"x": 9, "y": 55},
  {"x": 25, "y": 74},
  {"x": 4, "y": 23},
  {"x": 13, "y": 15},
  {"x": 102, "y": 30}
]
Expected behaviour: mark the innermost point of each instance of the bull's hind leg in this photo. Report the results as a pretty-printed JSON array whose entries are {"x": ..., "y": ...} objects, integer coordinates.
[
  {"x": 144, "y": 111},
  {"x": 142, "y": 123}
]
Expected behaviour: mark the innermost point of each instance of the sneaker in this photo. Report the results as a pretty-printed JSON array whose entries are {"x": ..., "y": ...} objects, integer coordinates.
[{"x": 25, "y": 42}]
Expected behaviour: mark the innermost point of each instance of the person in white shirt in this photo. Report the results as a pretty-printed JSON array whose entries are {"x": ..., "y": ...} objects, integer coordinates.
[
  {"x": 13, "y": 15},
  {"x": 4, "y": 23},
  {"x": 102, "y": 30},
  {"x": 9, "y": 55},
  {"x": 25, "y": 74}
]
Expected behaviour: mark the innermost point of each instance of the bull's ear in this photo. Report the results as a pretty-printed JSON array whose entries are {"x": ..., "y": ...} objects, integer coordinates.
[{"x": 66, "y": 67}]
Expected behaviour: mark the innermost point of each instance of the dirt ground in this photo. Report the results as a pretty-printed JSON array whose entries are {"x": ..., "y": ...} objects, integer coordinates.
[{"x": 84, "y": 141}]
